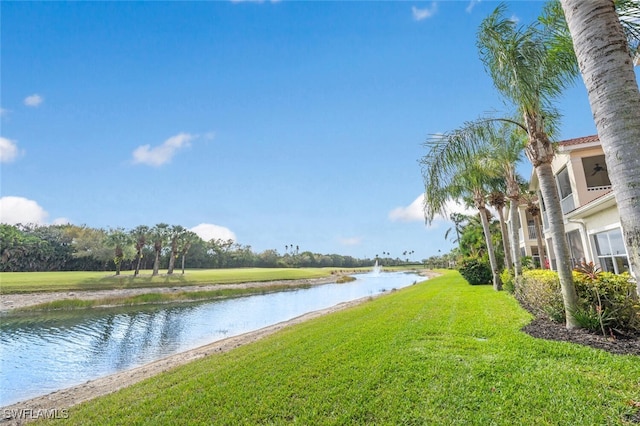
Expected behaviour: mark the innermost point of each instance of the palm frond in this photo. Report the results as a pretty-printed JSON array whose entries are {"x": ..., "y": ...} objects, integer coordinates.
[{"x": 524, "y": 70}]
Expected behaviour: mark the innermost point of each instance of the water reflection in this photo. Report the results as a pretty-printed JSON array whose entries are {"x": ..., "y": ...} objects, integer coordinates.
[{"x": 43, "y": 352}]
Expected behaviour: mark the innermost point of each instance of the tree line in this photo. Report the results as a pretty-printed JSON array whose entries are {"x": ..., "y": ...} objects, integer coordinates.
[{"x": 32, "y": 248}]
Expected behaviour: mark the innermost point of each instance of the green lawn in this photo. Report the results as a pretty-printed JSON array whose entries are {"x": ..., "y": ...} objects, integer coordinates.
[
  {"x": 440, "y": 352},
  {"x": 26, "y": 282}
]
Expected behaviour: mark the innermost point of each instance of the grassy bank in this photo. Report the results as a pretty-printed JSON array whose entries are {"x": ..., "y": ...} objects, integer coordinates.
[
  {"x": 28, "y": 282},
  {"x": 441, "y": 352},
  {"x": 157, "y": 298}
]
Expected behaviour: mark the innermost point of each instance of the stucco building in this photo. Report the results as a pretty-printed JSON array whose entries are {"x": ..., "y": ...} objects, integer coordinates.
[{"x": 591, "y": 218}]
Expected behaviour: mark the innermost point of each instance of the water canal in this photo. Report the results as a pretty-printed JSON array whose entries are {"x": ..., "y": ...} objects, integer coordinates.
[{"x": 44, "y": 352}]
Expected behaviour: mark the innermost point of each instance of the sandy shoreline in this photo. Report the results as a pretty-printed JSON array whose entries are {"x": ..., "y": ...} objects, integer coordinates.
[{"x": 60, "y": 401}]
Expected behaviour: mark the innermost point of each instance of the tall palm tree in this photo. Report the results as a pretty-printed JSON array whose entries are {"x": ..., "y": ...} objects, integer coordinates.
[
  {"x": 533, "y": 209},
  {"x": 174, "y": 234},
  {"x": 530, "y": 75},
  {"x": 606, "y": 65},
  {"x": 158, "y": 236},
  {"x": 453, "y": 177},
  {"x": 505, "y": 152},
  {"x": 185, "y": 242},
  {"x": 497, "y": 200},
  {"x": 118, "y": 240},
  {"x": 139, "y": 235}
]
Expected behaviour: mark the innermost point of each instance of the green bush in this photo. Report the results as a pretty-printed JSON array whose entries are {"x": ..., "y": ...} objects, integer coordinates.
[
  {"x": 606, "y": 301},
  {"x": 476, "y": 272},
  {"x": 508, "y": 281},
  {"x": 539, "y": 291},
  {"x": 612, "y": 297}
]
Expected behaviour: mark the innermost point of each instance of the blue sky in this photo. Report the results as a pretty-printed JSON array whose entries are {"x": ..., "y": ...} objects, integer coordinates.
[{"x": 273, "y": 123}]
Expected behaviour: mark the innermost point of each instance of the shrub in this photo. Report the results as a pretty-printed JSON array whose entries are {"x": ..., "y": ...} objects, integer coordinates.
[
  {"x": 592, "y": 319},
  {"x": 611, "y": 296},
  {"x": 539, "y": 291},
  {"x": 476, "y": 272},
  {"x": 508, "y": 281}
]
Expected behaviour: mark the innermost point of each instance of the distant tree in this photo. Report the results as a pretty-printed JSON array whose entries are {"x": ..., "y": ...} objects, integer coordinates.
[
  {"x": 119, "y": 240},
  {"x": 185, "y": 241},
  {"x": 158, "y": 235},
  {"x": 139, "y": 235},
  {"x": 220, "y": 249},
  {"x": 174, "y": 235}
]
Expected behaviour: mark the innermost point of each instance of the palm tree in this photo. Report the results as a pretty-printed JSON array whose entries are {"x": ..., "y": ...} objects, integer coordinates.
[
  {"x": 497, "y": 200},
  {"x": 139, "y": 234},
  {"x": 505, "y": 152},
  {"x": 458, "y": 220},
  {"x": 174, "y": 233},
  {"x": 185, "y": 241},
  {"x": 533, "y": 209},
  {"x": 606, "y": 65},
  {"x": 119, "y": 240},
  {"x": 452, "y": 177},
  {"x": 158, "y": 236},
  {"x": 530, "y": 75}
]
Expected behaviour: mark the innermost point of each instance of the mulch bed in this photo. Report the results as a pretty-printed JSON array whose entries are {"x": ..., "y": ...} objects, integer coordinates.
[{"x": 544, "y": 328}]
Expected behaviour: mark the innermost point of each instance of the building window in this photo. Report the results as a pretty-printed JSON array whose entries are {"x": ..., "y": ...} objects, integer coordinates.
[
  {"x": 610, "y": 250},
  {"x": 595, "y": 173},
  {"x": 565, "y": 191},
  {"x": 576, "y": 250}
]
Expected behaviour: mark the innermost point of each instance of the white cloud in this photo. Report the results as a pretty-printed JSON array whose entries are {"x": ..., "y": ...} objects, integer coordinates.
[
  {"x": 411, "y": 213},
  {"x": 208, "y": 232},
  {"x": 414, "y": 212},
  {"x": 514, "y": 19},
  {"x": 427, "y": 12},
  {"x": 14, "y": 210},
  {"x": 4, "y": 112},
  {"x": 8, "y": 150},
  {"x": 351, "y": 241},
  {"x": 161, "y": 154},
  {"x": 33, "y": 100},
  {"x": 471, "y": 5}
]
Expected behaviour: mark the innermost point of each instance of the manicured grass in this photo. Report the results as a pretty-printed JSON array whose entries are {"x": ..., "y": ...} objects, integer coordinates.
[
  {"x": 27, "y": 282},
  {"x": 440, "y": 352}
]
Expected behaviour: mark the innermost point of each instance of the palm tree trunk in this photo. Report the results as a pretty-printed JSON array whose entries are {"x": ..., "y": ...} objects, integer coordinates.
[
  {"x": 514, "y": 220},
  {"x": 156, "y": 263},
  {"x": 540, "y": 242},
  {"x": 172, "y": 262},
  {"x": 183, "y": 256},
  {"x": 497, "y": 283},
  {"x": 556, "y": 227},
  {"x": 138, "y": 261},
  {"x": 505, "y": 240},
  {"x": 607, "y": 70}
]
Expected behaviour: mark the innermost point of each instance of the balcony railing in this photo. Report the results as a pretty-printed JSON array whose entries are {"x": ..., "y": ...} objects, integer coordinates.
[
  {"x": 599, "y": 188},
  {"x": 532, "y": 232}
]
